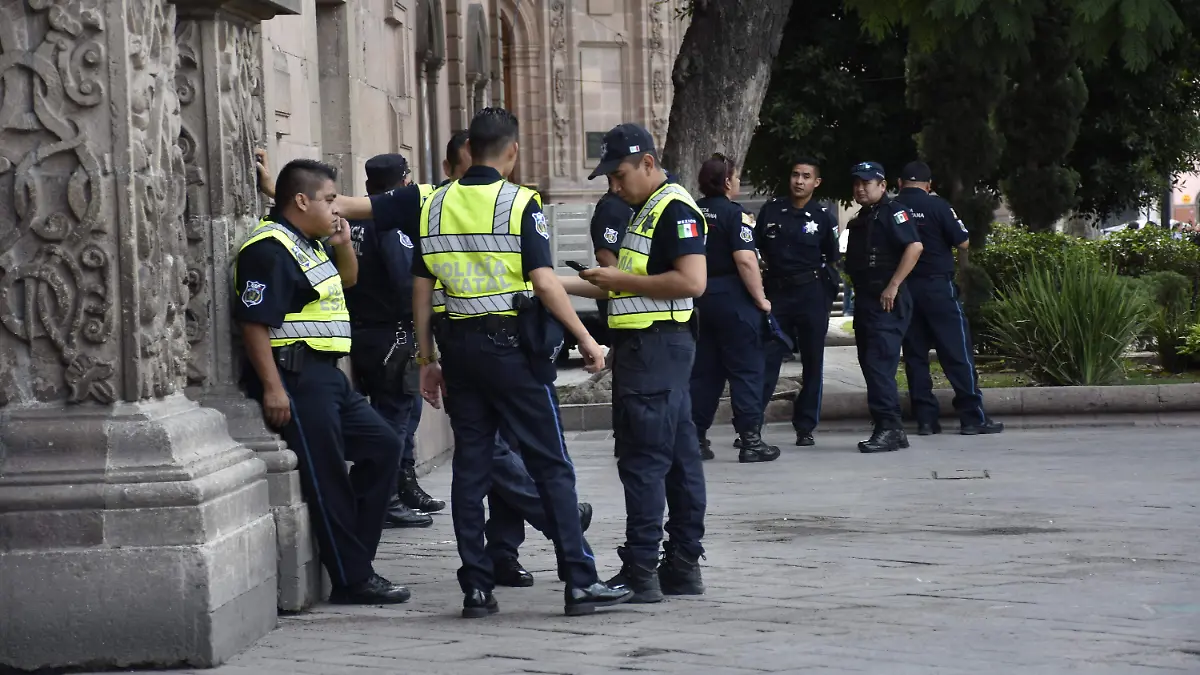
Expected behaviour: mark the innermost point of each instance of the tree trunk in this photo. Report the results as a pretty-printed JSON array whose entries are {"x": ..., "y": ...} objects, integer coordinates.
[{"x": 721, "y": 77}]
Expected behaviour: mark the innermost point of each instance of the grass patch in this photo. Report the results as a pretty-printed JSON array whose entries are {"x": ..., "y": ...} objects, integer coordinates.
[{"x": 1000, "y": 373}]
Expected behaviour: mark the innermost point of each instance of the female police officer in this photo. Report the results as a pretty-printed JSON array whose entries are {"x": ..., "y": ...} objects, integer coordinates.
[{"x": 731, "y": 317}]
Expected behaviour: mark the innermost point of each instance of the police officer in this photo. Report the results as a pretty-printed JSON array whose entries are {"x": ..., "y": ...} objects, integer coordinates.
[
  {"x": 881, "y": 251},
  {"x": 798, "y": 241},
  {"x": 731, "y": 310},
  {"x": 291, "y": 307},
  {"x": 609, "y": 220},
  {"x": 484, "y": 238},
  {"x": 381, "y": 319},
  {"x": 660, "y": 270},
  {"x": 938, "y": 320}
]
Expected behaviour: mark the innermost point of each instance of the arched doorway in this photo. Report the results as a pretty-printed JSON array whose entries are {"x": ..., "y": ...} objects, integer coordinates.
[
  {"x": 431, "y": 56},
  {"x": 508, "y": 98}
]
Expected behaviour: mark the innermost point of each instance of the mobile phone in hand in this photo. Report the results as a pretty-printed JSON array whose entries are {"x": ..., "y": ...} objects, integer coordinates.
[{"x": 577, "y": 266}]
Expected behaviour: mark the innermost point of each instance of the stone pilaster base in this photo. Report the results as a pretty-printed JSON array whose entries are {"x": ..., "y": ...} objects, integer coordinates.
[
  {"x": 299, "y": 567},
  {"x": 137, "y": 534}
]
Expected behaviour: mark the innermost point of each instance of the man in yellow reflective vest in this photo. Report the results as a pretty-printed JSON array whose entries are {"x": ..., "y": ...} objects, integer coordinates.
[
  {"x": 291, "y": 306},
  {"x": 484, "y": 238},
  {"x": 660, "y": 269}
]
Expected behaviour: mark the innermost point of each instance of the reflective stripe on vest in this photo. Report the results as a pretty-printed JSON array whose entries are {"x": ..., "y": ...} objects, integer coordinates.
[
  {"x": 324, "y": 323},
  {"x": 632, "y": 311},
  {"x": 471, "y": 242}
]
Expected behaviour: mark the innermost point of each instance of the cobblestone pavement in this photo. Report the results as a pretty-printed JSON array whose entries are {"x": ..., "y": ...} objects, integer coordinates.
[{"x": 1078, "y": 553}]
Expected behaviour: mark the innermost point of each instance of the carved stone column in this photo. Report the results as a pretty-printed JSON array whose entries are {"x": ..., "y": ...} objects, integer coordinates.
[
  {"x": 135, "y": 530},
  {"x": 219, "y": 80}
]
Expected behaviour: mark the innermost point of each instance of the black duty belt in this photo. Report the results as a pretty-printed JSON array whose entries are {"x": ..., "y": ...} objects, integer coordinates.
[
  {"x": 490, "y": 323},
  {"x": 294, "y": 357},
  {"x": 401, "y": 325},
  {"x": 656, "y": 327},
  {"x": 792, "y": 280}
]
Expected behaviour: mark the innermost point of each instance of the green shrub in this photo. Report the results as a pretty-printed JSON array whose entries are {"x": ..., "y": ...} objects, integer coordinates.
[
  {"x": 1191, "y": 343},
  {"x": 1172, "y": 316},
  {"x": 1011, "y": 248},
  {"x": 977, "y": 292},
  {"x": 1070, "y": 323},
  {"x": 1149, "y": 249}
]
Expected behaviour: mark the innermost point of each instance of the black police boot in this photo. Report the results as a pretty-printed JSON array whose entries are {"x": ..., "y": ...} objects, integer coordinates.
[
  {"x": 642, "y": 580},
  {"x": 804, "y": 439},
  {"x": 579, "y": 601},
  {"x": 412, "y": 495},
  {"x": 989, "y": 427},
  {"x": 478, "y": 604},
  {"x": 884, "y": 440},
  {"x": 755, "y": 450},
  {"x": 399, "y": 515},
  {"x": 678, "y": 573},
  {"x": 928, "y": 428},
  {"x": 509, "y": 572},
  {"x": 374, "y": 591},
  {"x": 585, "y": 516},
  {"x": 706, "y": 452}
]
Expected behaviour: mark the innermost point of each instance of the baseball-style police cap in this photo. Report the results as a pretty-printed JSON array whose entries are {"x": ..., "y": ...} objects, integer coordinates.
[
  {"x": 868, "y": 171},
  {"x": 916, "y": 172},
  {"x": 386, "y": 169},
  {"x": 624, "y": 140}
]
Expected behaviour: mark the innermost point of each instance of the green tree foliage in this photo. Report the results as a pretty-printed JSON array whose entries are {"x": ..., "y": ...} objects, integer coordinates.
[
  {"x": 1039, "y": 119},
  {"x": 835, "y": 94}
]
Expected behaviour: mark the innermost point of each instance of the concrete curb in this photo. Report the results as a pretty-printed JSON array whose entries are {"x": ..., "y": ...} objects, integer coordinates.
[{"x": 1080, "y": 403}]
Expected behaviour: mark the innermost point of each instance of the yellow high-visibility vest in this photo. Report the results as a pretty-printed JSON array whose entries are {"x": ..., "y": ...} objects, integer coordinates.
[
  {"x": 633, "y": 311},
  {"x": 471, "y": 243},
  {"x": 324, "y": 323}
]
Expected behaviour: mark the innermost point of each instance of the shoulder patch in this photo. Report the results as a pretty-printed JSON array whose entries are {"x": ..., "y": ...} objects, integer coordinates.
[
  {"x": 901, "y": 217},
  {"x": 539, "y": 224},
  {"x": 610, "y": 235},
  {"x": 747, "y": 234},
  {"x": 253, "y": 293},
  {"x": 747, "y": 219},
  {"x": 687, "y": 228},
  {"x": 404, "y": 239}
]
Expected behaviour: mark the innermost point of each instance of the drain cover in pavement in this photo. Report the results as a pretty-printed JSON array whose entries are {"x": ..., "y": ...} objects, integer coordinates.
[{"x": 961, "y": 474}]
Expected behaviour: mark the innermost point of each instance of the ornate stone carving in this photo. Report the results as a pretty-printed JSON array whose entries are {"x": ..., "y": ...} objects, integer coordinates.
[
  {"x": 659, "y": 85},
  {"x": 558, "y": 63},
  {"x": 55, "y": 263},
  {"x": 657, "y": 46}
]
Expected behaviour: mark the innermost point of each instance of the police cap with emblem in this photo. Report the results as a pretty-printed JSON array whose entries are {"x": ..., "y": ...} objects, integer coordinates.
[
  {"x": 623, "y": 141},
  {"x": 916, "y": 172},
  {"x": 385, "y": 171},
  {"x": 868, "y": 171}
]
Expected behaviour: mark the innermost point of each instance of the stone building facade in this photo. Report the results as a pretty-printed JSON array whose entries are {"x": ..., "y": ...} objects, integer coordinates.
[{"x": 347, "y": 80}]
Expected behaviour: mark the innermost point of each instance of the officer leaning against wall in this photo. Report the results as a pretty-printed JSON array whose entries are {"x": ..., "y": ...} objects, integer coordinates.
[
  {"x": 660, "y": 270},
  {"x": 291, "y": 307},
  {"x": 883, "y": 248},
  {"x": 938, "y": 320}
]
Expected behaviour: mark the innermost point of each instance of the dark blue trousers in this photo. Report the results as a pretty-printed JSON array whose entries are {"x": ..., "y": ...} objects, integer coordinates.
[
  {"x": 659, "y": 453},
  {"x": 878, "y": 336},
  {"x": 802, "y": 313},
  {"x": 369, "y": 348},
  {"x": 729, "y": 349},
  {"x": 938, "y": 322},
  {"x": 490, "y": 387},
  {"x": 332, "y": 424}
]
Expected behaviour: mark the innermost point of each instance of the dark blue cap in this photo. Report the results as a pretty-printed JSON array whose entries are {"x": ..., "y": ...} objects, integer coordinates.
[
  {"x": 624, "y": 140},
  {"x": 386, "y": 169},
  {"x": 776, "y": 332},
  {"x": 868, "y": 171},
  {"x": 916, "y": 172}
]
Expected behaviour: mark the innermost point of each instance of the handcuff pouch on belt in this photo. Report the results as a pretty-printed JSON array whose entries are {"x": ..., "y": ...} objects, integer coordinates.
[
  {"x": 290, "y": 358},
  {"x": 401, "y": 375}
]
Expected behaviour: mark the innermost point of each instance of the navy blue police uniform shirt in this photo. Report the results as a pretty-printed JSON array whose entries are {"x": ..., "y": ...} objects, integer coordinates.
[
  {"x": 795, "y": 240},
  {"x": 270, "y": 284},
  {"x": 894, "y": 221},
  {"x": 398, "y": 209},
  {"x": 729, "y": 230},
  {"x": 383, "y": 294},
  {"x": 535, "y": 231},
  {"x": 680, "y": 232},
  {"x": 939, "y": 228},
  {"x": 609, "y": 221}
]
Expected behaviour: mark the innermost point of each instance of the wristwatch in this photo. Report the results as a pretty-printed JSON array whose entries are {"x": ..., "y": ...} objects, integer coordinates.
[{"x": 424, "y": 361}]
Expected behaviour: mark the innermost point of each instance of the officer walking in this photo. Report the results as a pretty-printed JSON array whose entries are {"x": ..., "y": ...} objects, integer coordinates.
[
  {"x": 731, "y": 311},
  {"x": 938, "y": 320},
  {"x": 291, "y": 307},
  {"x": 798, "y": 241},
  {"x": 881, "y": 251},
  {"x": 661, "y": 268},
  {"x": 483, "y": 238}
]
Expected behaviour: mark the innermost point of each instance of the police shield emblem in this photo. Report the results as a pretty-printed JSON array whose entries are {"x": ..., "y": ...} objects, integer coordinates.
[
  {"x": 610, "y": 235},
  {"x": 253, "y": 294}
]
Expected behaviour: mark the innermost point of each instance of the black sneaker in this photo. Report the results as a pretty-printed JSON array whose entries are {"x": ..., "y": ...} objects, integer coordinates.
[
  {"x": 679, "y": 574},
  {"x": 399, "y": 515},
  {"x": 642, "y": 580},
  {"x": 579, "y": 601},
  {"x": 509, "y": 572},
  {"x": 884, "y": 440},
  {"x": 988, "y": 427},
  {"x": 374, "y": 591},
  {"x": 478, "y": 604}
]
